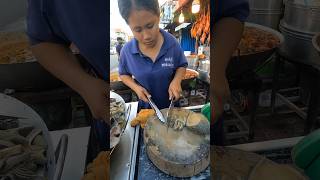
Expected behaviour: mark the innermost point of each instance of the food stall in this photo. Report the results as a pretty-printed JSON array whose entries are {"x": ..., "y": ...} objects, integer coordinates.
[
  {"x": 267, "y": 123},
  {"x": 138, "y": 149}
]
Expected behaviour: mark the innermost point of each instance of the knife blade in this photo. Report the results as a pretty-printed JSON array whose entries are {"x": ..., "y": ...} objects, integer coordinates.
[{"x": 156, "y": 109}]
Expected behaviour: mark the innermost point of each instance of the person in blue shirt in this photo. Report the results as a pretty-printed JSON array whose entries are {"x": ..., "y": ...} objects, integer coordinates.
[
  {"x": 119, "y": 46},
  {"x": 152, "y": 63},
  {"x": 228, "y": 24},
  {"x": 52, "y": 26}
]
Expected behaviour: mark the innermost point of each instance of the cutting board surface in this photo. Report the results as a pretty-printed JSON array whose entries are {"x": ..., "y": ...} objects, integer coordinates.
[{"x": 178, "y": 153}]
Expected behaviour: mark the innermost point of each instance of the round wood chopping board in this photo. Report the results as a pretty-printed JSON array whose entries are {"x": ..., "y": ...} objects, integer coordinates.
[
  {"x": 182, "y": 153},
  {"x": 230, "y": 164}
]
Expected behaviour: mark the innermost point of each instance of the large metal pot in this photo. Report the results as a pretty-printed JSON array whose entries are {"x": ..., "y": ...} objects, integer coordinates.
[
  {"x": 297, "y": 46},
  {"x": 244, "y": 63},
  {"x": 266, "y": 12},
  {"x": 12, "y": 11},
  {"x": 23, "y": 74},
  {"x": 303, "y": 16},
  {"x": 27, "y": 76},
  {"x": 266, "y": 4},
  {"x": 269, "y": 18}
]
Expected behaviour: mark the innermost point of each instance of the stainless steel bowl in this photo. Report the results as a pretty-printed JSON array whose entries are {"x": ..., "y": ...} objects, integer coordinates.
[
  {"x": 302, "y": 16},
  {"x": 266, "y": 13},
  {"x": 298, "y": 46}
]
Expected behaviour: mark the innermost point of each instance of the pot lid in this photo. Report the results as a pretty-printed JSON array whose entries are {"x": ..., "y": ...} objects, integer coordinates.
[{"x": 310, "y": 3}]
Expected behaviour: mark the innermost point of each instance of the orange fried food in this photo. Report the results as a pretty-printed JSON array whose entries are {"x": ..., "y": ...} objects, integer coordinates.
[
  {"x": 142, "y": 117},
  {"x": 99, "y": 168},
  {"x": 114, "y": 76},
  {"x": 190, "y": 74}
]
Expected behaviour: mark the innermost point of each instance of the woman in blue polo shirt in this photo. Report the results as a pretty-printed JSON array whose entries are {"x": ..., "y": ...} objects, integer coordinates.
[
  {"x": 52, "y": 26},
  {"x": 228, "y": 23},
  {"x": 154, "y": 58}
]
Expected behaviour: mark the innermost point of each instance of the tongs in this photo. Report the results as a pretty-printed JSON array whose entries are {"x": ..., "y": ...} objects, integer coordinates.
[{"x": 156, "y": 109}]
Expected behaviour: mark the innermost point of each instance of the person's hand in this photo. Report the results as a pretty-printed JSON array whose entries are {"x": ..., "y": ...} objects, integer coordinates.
[
  {"x": 221, "y": 92},
  {"x": 175, "y": 90},
  {"x": 142, "y": 93},
  {"x": 95, "y": 94}
]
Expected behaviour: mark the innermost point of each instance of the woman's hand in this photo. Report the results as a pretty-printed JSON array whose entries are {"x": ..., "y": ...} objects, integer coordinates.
[
  {"x": 175, "y": 90},
  {"x": 221, "y": 92},
  {"x": 142, "y": 93},
  {"x": 95, "y": 94}
]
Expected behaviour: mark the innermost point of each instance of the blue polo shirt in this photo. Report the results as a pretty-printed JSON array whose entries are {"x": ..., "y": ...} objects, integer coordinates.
[
  {"x": 156, "y": 76},
  {"x": 238, "y": 9},
  {"x": 82, "y": 22}
]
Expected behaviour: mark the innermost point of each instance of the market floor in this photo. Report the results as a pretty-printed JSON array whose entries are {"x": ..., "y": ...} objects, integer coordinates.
[
  {"x": 270, "y": 127},
  {"x": 278, "y": 126}
]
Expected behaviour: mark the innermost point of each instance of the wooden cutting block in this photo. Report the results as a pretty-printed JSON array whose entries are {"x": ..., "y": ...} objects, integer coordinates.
[
  {"x": 230, "y": 164},
  {"x": 182, "y": 153}
]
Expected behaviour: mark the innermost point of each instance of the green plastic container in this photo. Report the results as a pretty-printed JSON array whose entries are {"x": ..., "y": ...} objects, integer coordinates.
[
  {"x": 206, "y": 111},
  {"x": 306, "y": 155}
]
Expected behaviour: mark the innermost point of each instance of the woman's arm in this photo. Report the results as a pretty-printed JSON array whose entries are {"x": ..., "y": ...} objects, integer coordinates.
[
  {"x": 141, "y": 92},
  {"x": 59, "y": 60},
  {"x": 180, "y": 72},
  {"x": 175, "y": 85},
  {"x": 227, "y": 33}
]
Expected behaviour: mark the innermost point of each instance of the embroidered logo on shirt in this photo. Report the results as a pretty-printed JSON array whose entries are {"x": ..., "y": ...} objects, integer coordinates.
[{"x": 168, "y": 62}]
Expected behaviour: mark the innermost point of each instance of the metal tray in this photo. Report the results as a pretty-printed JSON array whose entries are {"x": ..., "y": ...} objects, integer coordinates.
[{"x": 123, "y": 158}]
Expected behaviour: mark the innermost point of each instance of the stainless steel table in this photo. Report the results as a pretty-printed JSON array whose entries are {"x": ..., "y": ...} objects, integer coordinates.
[
  {"x": 123, "y": 158},
  {"x": 75, "y": 161}
]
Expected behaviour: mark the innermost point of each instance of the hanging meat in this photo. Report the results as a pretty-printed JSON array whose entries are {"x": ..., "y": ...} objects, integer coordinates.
[{"x": 201, "y": 27}]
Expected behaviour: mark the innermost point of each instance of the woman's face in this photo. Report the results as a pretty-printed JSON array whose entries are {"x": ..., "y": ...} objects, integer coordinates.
[{"x": 144, "y": 26}]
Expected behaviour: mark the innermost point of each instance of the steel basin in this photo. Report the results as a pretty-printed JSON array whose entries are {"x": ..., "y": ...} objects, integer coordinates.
[
  {"x": 302, "y": 17},
  {"x": 298, "y": 46}
]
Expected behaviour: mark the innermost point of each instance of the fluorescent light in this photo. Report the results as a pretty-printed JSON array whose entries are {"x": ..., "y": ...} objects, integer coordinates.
[
  {"x": 195, "y": 6},
  {"x": 181, "y": 18}
]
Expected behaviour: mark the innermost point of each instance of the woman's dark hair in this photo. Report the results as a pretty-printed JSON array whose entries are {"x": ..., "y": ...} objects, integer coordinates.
[{"x": 126, "y": 6}]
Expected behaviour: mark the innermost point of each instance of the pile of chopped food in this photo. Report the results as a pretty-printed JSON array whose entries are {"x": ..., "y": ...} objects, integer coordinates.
[
  {"x": 190, "y": 74},
  {"x": 255, "y": 40},
  {"x": 114, "y": 76},
  {"x": 22, "y": 153},
  {"x": 14, "y": 48},
  {"x": 117, "y": 119}
]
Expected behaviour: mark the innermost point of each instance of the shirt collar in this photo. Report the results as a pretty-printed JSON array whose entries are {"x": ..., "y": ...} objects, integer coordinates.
[{"x": 167, "y": 43}]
